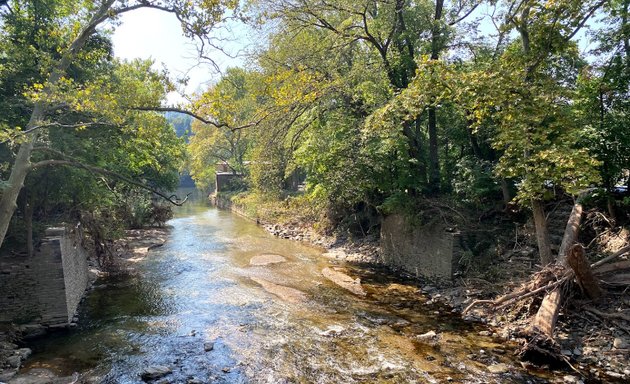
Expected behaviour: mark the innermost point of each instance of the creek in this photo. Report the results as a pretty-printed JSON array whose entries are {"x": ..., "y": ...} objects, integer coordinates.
[{"x": 198, "y": 306}]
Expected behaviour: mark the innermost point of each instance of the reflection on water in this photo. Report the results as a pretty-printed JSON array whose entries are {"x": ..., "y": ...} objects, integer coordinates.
[{"x": 200, "y": 288}]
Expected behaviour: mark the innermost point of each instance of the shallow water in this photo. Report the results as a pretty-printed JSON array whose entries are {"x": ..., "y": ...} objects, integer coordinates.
[{"x": 200, "y": 287}]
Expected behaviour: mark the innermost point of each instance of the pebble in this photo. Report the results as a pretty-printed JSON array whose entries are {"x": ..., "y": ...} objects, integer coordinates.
[{"x": 209, "y": 346}]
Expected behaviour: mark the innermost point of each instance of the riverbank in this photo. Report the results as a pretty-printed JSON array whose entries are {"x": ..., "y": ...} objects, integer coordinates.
[
  {"x": 594, "y": 348},
  {"x": 127, "y": 252}
]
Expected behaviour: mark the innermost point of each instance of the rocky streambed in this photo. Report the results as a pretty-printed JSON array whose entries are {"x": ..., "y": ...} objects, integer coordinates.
[{"x": 223, "y": 301}]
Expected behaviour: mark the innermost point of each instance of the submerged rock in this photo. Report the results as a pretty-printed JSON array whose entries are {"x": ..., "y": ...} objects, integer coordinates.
[
  {"x": 291, "y": 295},
  {"x": 499, "y": 368},
  {"x": 333, "y": 330},
  {"x": 267, "y": 259},
  {"x": 344, "y": 281},
  {"x": 155, "y": 372}
]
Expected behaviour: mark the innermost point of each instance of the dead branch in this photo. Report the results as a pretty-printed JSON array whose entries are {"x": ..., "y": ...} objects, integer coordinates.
[
  {"x": 613, "y": 267},
  {"x": 533, "y": 293},
  {"x": 615, "y": 255},
  {"x": 542, "y": 281},
  {"x": 619, "y": 316}
]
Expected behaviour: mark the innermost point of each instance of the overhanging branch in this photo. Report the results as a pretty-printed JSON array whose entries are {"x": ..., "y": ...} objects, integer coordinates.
[
  {"x": 198, "y": 117},
  {"x": 69, "y": 161}
]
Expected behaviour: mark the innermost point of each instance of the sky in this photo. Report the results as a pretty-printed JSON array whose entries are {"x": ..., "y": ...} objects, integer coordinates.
[{"x": 150, "y": 33}]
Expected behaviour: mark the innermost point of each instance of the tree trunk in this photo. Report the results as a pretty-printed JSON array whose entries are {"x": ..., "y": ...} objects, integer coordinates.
[
  {"x": 583, "y": 273},
  {"x": 20, "y": 169},
  {"x": 411, "y": 132},
  {"x": 22, "y": 163},
  {"x": 542, "y": 235},
  {"x": 28, "y": 221},
  {"x": 505, "y": 190},
  {"x": 434, "y": 159}
]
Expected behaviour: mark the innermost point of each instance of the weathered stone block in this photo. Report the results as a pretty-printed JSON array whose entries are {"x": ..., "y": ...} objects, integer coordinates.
[
  {"x": 47, "y": 287},
  {"x": 428, "y": 251}
]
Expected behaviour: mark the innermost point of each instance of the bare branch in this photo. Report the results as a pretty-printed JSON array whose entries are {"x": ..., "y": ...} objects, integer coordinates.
[{"x": 464, "y": 16}]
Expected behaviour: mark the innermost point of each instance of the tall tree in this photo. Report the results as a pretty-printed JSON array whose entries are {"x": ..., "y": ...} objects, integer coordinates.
[{"x": 79, "y": 22}]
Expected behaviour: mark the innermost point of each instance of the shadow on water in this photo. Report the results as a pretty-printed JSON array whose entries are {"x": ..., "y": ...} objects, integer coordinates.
[{"x": 200, "y": 288}]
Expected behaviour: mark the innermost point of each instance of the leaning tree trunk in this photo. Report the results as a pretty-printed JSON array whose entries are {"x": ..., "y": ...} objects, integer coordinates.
[
  {"x": 542, "y": 234},
  {"x": 547, "y": 315},
  {"x": 22, "y": 163}
]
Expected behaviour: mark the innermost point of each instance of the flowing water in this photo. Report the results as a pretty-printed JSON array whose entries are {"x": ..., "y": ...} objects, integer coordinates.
[{"x": 276, "y": 323}]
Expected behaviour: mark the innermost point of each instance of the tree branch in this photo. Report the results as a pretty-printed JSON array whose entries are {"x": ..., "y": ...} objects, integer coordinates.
[
  {"x": 471, "y": 10},
  {"x": 198, "y": 117},
  {"x": 69, "y": 161}
]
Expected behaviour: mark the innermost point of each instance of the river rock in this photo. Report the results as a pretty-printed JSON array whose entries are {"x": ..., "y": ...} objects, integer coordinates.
[
  {"x": 7, "y": 375},
  {"x": 620, "y": 343},
  {"x": 208, "y": 346},
  {"x": 267, "y": 259},
  {"x": 344, "y": 281},
  {"x": 14, "y": 361},
  {"x": 24, "y": 353},
  {"x": 6, "y": 345},
  {"x": 37, "y": 376},
  {"x": 430, "y": 338},
  {"x": 285, "y": 293},
  {"x": 155, "y": 372},
  {"x": 498, "y": 368}
]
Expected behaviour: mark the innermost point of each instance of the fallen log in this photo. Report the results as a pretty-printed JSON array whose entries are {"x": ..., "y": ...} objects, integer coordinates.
[{"x": 547, "y": 315}]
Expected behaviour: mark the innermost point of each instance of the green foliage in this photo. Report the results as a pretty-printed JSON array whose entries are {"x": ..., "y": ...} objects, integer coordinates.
[
  {"x": 345, "y": 92},
  {"x": 474, "y": 183},
  {"x": 91, "y": 123}
]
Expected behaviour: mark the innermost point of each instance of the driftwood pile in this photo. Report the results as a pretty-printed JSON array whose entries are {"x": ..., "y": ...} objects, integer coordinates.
[{"x": 554, "y": 284}]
